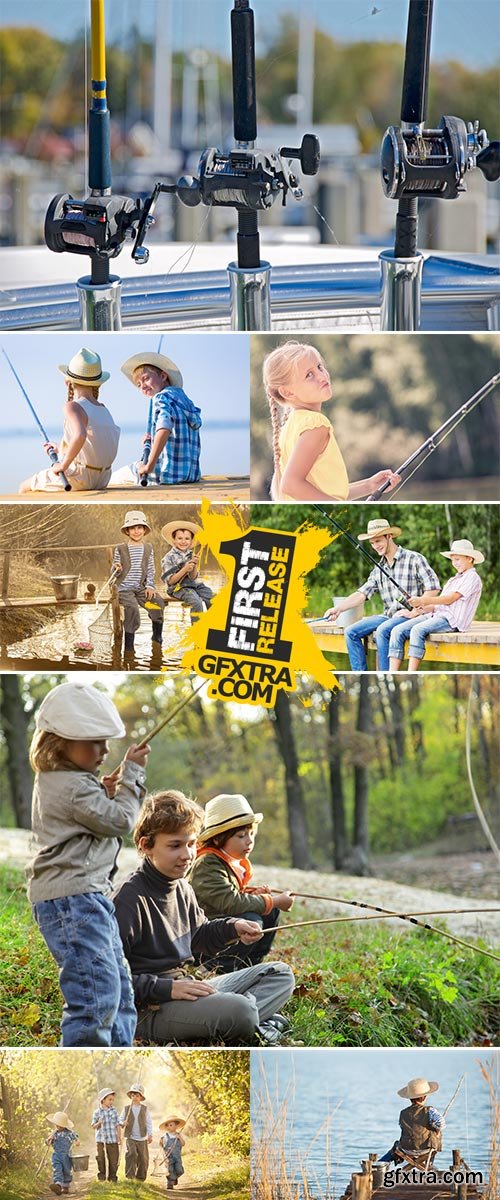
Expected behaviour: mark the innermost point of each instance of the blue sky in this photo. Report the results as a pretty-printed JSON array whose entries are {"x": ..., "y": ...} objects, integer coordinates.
[
  {"x": 215, "y": 370},
  {"x": 467, "y": 30}
]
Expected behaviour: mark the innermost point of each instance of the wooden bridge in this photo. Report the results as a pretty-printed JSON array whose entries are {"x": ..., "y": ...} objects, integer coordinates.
[{"x": 480, "y": 646}]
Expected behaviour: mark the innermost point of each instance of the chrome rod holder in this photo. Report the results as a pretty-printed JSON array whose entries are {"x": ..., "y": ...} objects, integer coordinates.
[
  {"x": 100, "y": 304},
  {"x": 250, "y": 297},
  {"x": 401, "y": 288}
]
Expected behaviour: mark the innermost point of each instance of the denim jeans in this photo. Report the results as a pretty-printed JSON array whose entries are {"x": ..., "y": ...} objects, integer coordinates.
[
  {"x": 82, "y": 934},
  {"x": 416, "y": 630},
  {"x": 354, "y": 634},
  {"x": 62, "y": 1169}
]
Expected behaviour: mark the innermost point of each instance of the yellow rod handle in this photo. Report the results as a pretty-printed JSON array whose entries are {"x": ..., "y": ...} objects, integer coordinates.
[{"x": 98, "y": 40}]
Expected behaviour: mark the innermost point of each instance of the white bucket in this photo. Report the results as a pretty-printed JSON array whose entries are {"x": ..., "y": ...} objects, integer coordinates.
[{"x": 350, "y": 615}]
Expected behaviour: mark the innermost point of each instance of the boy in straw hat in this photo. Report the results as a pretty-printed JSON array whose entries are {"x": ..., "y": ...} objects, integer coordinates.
[
  {"x": 90, "y": 437},
  {"x": 61, "y": 1140},
  {"x": 164, "y": 930},
  {"x": 175, "y": 422},
  {"x": 222, "y": 873},
  {"x": 171, "y": 1143},
  {"x": 421, "y": 1125},
  {"x": 408, "y": 568},
  {"x": 105, "y": 1121},
  {"x": 78, "y": 821},
  {"x": 135, "y": 1119},
  {"x": 452, "y": 611},
  {"x": 134, "y": 560},
  {"x": 179, "y": 567}
]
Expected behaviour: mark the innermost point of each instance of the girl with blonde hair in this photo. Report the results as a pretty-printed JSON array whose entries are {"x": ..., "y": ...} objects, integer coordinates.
[
  {"x": 90, "y": 437},
  {"x": 308, "y": 464}
]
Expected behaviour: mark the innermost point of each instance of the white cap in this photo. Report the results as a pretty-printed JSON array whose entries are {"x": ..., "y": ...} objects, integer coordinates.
[{"x": 76, "y": 710}]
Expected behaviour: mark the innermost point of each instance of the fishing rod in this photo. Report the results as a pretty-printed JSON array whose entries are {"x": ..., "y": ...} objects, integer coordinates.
[
  {"x": 147, "y": 440},
  {"x": 50, "y": 451},
  {"x": 387, "y": 913},
  {"x": 431, "y": 444},
  {"x": 247, "y": 179},
  {"x": 64, "y": 1109},
  {"x": 358, "y": 546},
  {"x": 167, "y": 1153},
  {"x": 170, "y": 716},
  {"x": 114, "y": 575},
  {"x": 417, "y": 161}
]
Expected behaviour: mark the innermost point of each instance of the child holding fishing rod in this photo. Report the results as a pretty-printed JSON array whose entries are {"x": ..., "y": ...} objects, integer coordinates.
[
  {"x": 179, "y": 566},
  {"x": 452, "y": 611},
  {"x": 308, "y": 464},
  {"x": 172, "y": 1143},
  {"x": 174, "y": 438},
  {"x": 421, "y": 1126},
  {"x": 133, "y": 562},
  {"x": 90, "y": 437},
  {"x": 61, "y": 1140},
  {"x": 221, "y": 877},
  {"x": 164, "y": 931},
  {"x": 78, "y": 821}
]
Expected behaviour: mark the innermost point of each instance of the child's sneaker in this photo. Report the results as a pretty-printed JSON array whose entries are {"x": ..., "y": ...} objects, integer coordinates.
[{"x": 268, "y": 1033}]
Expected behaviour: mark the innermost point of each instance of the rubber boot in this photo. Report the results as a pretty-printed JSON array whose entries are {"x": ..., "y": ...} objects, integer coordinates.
[
  {"x": 157, "y": 631},
  {"x": 129, "y": 643}
]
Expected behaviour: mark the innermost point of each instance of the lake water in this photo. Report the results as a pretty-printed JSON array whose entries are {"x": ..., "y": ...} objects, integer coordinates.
[
  {"x": 363, "y": 1083},
  {"x": 224, "y": 451}
]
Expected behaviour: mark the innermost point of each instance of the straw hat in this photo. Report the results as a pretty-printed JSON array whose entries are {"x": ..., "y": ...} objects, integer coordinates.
[
  {"x": 77, "y": 710},
  {"x": 137, "y": 1087},
  {"x": 463, "y": 546},
  {"x": 178, "y": 1121},
  {"x": 60, "y": 1118},
  {"x": 169, "y": 530},
  {"x": 106, "y": 1092},
  {"x": 418, "y": 1087},
  {"x": 85, "y": 367},
  {"x": 227, "y": 812},
  {"x": 150, "y": 359},
  {"x": 379, "y": 528},
  {"x": 135, "y": 517}
]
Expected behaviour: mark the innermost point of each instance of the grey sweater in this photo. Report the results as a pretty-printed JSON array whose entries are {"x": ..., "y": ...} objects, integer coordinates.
[{"x": 77, "y": 830}]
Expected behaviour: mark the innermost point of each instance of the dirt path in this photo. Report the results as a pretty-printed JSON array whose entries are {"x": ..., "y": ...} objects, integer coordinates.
[{"x": 14, "y": 849}]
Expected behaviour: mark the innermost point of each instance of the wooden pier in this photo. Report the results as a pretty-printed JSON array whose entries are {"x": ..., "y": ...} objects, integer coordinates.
[
  {"x": 480, "y": 646},
  {"x": 216, "y": 488},
  {"x": 411, "y": 1182}
]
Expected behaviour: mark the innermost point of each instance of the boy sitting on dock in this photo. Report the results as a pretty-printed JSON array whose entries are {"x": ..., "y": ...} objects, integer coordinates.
[
  {"x": 174, "y": 441},
  {"x": 135, "y": 563},
  {"x": 421, "y": 1126},
  {"x": 164, "y": 930},
  {"x": 179, "y": 567},
  {"x": 222, "y": 873},
  {"x": 452, "y": 611},
  {"x": 108, "y": 1136}
]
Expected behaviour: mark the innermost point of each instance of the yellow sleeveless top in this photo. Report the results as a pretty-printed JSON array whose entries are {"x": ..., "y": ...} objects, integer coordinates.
[{"x": 328, "y": 473}]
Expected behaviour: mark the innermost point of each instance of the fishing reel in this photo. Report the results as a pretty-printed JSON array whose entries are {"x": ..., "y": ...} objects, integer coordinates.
[
  {"x": 247, "y": 179},
  {"x": 433, "y": 162},
  {"x": 96, "y": 226}
]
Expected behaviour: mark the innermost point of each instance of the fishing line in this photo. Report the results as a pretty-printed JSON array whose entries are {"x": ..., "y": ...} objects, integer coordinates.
[
  {"x": 194, "y": 245},
  {"x": 365, "y": 311}
]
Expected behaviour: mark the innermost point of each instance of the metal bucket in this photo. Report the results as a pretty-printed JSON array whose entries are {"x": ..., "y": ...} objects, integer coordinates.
[
  {"x": 65, "y": 586},
  {"x": 350, "y": 615},
  {"x": 80, "y": 1162},
  {"x": 378, "y": 1173}
]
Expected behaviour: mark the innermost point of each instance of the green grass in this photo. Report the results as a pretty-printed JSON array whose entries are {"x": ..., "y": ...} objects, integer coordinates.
[
  {"x": 376, "y": 986},
  {"x": 227, "y": 1183}
]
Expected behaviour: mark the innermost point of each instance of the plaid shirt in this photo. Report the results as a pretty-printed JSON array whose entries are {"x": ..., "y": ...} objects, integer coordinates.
[
  {"x": 109, "y": 1120},
  {"x": 179, "y": 462},
  {"x": 410, "y": 570},
  {"x": 173, "y": 561}
]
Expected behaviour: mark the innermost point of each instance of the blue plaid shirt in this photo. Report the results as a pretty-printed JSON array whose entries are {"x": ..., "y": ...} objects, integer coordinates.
[
  {"x": 179, "y": 462},
  {"x": 109, "y": 1120}
]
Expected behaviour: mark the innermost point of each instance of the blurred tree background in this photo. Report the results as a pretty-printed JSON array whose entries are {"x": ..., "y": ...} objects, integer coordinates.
[
  {"x": 357, "y": 83},
  {"x": 376, "y": 767},
  {"x": 390, "y": 394}
]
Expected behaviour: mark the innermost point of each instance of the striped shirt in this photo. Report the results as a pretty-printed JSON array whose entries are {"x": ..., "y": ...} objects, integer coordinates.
[
  {"x": 460, "y": 613},
  {"x": 179, "y": 461},
  {"x": 133, "y": 578},
  {"x": 410, "y": 570},
  {"x": 108, "y": 1118}
]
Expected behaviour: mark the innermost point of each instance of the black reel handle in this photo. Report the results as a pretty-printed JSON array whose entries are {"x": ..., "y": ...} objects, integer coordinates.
[
  {"x": 308, "y": 154},
  {"x": 488, "y": 161}
]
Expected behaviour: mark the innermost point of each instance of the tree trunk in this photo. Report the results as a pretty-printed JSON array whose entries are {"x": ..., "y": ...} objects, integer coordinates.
[
  {"x": 336, "y": 785},
  {"x": 360, "y": 838},
  {"x": 398, "y": 719},
  {"x": 15, "y": 722},
  {"x": 297, "y": 828},
  {"x": 417, "y": 731}
]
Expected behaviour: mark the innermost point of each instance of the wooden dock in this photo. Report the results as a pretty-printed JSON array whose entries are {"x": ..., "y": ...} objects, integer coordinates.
[
  {"x": 411, "y": 1182},
  {"x": 216, "y": 488},
  {"x": 480, "y": 646}
]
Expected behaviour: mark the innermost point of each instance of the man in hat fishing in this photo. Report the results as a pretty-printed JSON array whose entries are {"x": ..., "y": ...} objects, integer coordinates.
[
  {"x": 174, "y": 455},
  {"x": 409, "y": 569},
  {"x": 421, "y": 1125}
]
